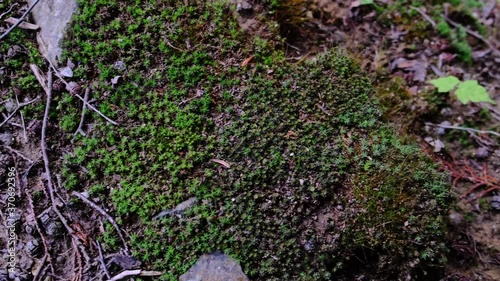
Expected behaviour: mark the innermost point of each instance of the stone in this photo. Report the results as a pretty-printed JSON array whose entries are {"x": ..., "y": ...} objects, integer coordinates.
[
  {"x": 495, "y": 202},
  {"x": 33, "y": 246},
  {"x": 10, "y": 105},
  {"x": 215, "y": 267},
  {"x": 6, "y": 138},
  {"x": 53, "y": 17}
]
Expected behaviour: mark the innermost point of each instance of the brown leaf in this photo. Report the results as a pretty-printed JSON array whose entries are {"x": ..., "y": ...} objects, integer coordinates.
[
  {"x": 246, "y": 61},
  {"x": 79, "y": 232},
  {"x": 291, "y": 134},
  {"x": 221, "y": 162}
]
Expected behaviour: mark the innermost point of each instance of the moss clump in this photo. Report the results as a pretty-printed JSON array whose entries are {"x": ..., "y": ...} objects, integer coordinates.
[{"x": 316, "y": 177}]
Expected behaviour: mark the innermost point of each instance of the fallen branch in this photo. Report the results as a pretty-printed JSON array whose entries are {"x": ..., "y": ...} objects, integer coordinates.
[
  {"x": 473, "y": 33},
  {"x": 137, "y": 272},
  {"x": 45, "y": 156},
  {"x": 470, "y": 130},
  {"x": 106, "y": 215},
  {"x": 20, "y": 19}
]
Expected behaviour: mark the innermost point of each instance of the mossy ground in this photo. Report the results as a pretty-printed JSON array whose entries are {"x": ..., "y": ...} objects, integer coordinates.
[{"x": 302, "y": 139}]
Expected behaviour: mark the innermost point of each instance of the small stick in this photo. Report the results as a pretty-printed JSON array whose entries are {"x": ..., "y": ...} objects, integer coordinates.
[
  {"x": 37, "y": 273},
  {"x": 18, "y": 107},
  {"x": 19, "y": 154},
  {"x": 106, "y": 215},
  {"x": 173, "y": 47},
  {"x": 470, "y": 130},
  {"x": 473, "y": 33},
  {"x": 136, "y": 272},
  {"x": 39, "y": 230},
  {"x": 22, "y": 122},
  {"x": 82, "y": 118},
  {"x": 426, "y": 17},
  {"x": 8, "y": 11},
  {"x": 101, "y": 259},
  {"x": 20, "y": 19}
]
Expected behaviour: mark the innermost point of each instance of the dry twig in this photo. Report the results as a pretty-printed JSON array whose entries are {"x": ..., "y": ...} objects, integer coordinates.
[
  {"x": 37, "y": 273},
  {"x": 8, "y": 11},
  {"x": 101, "y": 259},
  {"x": 79, "y": 130},
  {"x": 470, "y": 130},
  {"x": 18, "y": 153},
  {"x": 137, "y": 272},
  {"x": 39, "y": 230},
  {"x": 19, "y": 105},
  {"x": 425, "y": 16},
  {"x": 20, "y": 19},
  {"x": 106, "y": 215}
]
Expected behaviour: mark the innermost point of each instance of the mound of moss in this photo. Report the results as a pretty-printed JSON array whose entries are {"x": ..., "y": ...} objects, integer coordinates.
[{"x": 317, "y": 188}]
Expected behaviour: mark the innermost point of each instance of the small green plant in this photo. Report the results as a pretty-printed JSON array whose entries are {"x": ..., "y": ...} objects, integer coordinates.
[{"x": 466, "y": 91}]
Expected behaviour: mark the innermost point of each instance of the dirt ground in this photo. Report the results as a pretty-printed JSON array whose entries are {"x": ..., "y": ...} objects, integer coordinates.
[{"x": 391, "y": 49}]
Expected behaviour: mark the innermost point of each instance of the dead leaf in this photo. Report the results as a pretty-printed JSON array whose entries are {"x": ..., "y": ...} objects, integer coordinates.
[
  {"x": 221, "y": 162},
  {"x": 115, "y": 79},
  {"x": 291, "y": 134},
  {"x": 66, "y": 71},
  {"x": 79, "y": 232},
  {"x": 404, "y": 63},
  {"x": 246, "y": 61}
]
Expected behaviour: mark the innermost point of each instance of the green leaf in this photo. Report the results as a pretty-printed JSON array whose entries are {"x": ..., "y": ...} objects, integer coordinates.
[
  {"x": 471, "y": 91},
  {"x": 445, "y": 84},
  {"x": 365, "y": 2}
]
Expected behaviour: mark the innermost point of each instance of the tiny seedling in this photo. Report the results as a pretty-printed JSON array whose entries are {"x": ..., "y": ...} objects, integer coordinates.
[{"x": 466, "y": 91}]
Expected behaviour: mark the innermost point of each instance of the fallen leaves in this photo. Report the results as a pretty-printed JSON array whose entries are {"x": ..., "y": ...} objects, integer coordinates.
[{"x": 221, "y": 162}]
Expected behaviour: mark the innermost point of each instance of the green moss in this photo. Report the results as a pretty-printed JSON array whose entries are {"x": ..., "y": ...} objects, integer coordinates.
[{"x": 301, "y": 139}]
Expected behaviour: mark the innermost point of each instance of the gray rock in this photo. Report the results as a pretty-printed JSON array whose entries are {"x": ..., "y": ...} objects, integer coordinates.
[
  {"x": 243, "y": 6},
  {"x": 495, "y": 202},
  {"x": 10, "y": 105},
  {"x": 119, "y": 65},
  {"x": 33, "y": 246},
  {"x": 53, "y": 17},
  {"x": 481, "y": 152},
  {"x": 25, "y": 263},
  {"x": 6, "y": 138},
  {"x": 215, "y": 267}
]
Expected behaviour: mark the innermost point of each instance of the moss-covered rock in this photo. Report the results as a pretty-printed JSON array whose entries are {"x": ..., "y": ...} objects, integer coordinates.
[{"x": 317, "y": 183}]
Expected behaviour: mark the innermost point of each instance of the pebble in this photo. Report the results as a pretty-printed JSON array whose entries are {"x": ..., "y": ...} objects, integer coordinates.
[
  {"x": 32, "y": 246},
  {"x": 10, "y": 105},
  {"x": 455, "y": 218},
  {"x": 495, "y": 202},
  {"x": 481, "y": 152},
  {"x": 6, "y": 138},
  {"x": 243, "y": 6},
  {"x": 119, "y": 65}
]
